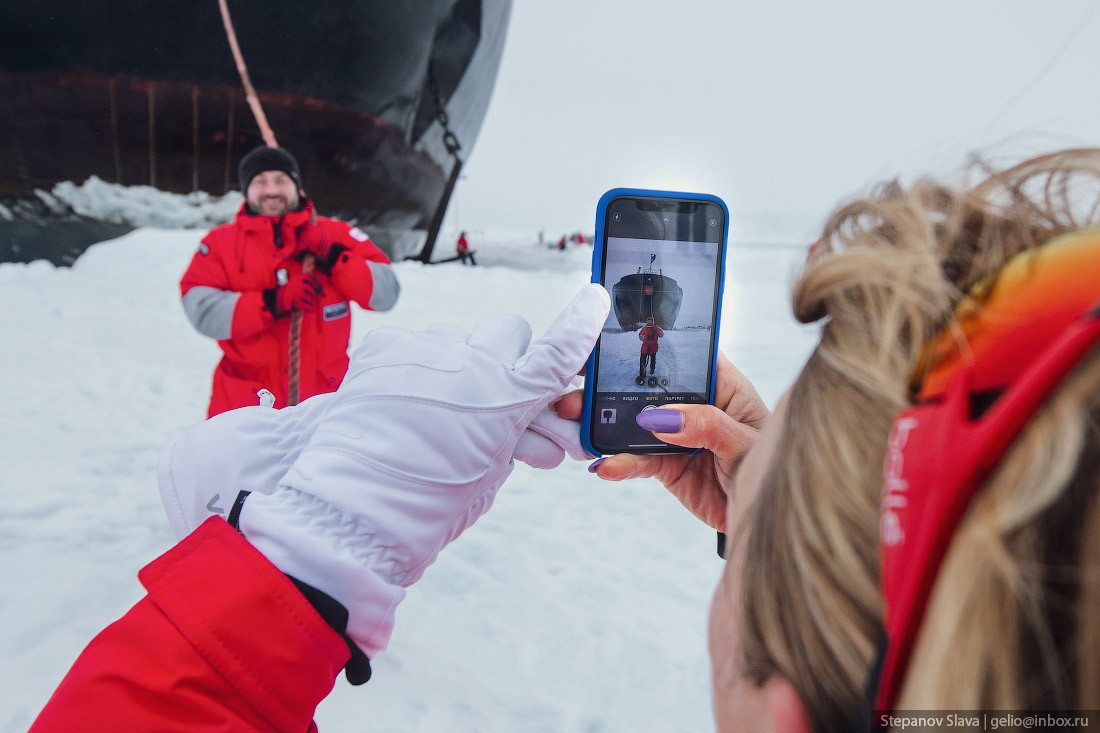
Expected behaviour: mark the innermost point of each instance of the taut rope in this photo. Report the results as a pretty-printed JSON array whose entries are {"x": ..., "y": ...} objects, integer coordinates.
[{"x": 294, "y": 349}]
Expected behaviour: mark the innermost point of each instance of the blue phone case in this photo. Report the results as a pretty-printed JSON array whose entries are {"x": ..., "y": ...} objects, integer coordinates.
[{"x": 597, "y": 275}]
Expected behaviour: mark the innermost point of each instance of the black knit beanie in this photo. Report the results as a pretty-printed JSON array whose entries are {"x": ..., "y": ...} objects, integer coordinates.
[{"x": 263, "y": 159}]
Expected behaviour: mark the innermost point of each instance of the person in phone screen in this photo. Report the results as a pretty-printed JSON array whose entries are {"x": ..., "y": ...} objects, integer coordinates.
[{"x": 648, "y": 335}]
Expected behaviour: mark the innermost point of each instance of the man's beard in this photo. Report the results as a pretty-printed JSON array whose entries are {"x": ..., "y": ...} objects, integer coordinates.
[{"x": 273, "y": 205}]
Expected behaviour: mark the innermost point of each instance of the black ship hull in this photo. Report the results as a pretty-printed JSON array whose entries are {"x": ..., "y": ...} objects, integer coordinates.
[
  {"x": 146, "y": 92},
  {"x": 640, "y": 296}
]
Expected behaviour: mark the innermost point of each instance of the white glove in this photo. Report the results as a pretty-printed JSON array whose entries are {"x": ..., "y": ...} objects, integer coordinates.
[
  {"x": 405, "y": 456},
  {"x": 549, "y": 438},
  {"x": 204, "y": 468}
]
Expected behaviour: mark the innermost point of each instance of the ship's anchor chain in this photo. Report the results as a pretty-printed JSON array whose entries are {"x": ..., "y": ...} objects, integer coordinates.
[{"x": 450, "y": 140}]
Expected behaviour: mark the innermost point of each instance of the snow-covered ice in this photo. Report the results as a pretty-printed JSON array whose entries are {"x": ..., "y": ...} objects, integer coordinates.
[
  {"x": 574, "y": 605},
  {"x": 144, "y": 206}
]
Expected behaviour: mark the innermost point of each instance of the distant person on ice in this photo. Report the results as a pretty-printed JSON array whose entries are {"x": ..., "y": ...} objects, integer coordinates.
[
  {"x": 462, "y": 246},
  {"x": 248, "y": 276},
  {"x": 648, "y": 335}
]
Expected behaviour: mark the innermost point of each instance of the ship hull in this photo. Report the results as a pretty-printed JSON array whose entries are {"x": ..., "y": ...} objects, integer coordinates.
[
  {"x": 640, "y": 296},
  {"x": 148, "y": 94}
]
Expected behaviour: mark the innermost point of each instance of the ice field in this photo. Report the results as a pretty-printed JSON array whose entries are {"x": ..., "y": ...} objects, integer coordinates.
[{"x": 573, "y": 606}]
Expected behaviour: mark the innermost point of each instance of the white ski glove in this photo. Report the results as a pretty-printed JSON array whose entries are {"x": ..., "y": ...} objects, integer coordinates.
[
  {"x": 205, "y": 467},
  {"x": 406, "y": 455}
]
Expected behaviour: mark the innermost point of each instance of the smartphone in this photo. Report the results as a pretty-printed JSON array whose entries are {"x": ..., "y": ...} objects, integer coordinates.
[{"x": 661, "y": 255}]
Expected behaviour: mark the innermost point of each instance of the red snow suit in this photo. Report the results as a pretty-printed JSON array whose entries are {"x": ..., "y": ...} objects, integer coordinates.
[
  {"x": 222, "y": 642},
  {"x": 649, "y": 336},
  {"x": 243, "y": 257}
]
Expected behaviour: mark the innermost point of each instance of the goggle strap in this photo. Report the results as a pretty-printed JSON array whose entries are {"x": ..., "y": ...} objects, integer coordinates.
[{"x": 989, "y": 438}]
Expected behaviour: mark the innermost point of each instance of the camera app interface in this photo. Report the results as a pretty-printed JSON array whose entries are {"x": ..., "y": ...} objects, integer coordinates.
[{"x": 661, "y": 266}]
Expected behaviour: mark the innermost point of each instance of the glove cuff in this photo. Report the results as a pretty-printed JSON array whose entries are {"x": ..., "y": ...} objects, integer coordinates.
[
  {"x": 271, "y": 303},
  {"x": 308, "y": 539},
  {"x": 358, "y": 669},
  {"x": 335, "y": 252}
]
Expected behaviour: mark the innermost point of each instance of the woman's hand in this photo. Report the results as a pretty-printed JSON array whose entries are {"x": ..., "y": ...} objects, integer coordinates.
[{"x": 725, "y": 431}]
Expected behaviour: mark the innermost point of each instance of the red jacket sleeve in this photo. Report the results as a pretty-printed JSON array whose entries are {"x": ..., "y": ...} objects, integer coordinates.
[
  {"x": 250, "y": 316},
  {"x": 351, "y": 274},
  {"x": 223, "y": 641},
  {"x": 208, "y": 269}
]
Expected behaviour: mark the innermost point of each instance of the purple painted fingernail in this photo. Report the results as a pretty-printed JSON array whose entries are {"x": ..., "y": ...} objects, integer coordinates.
[
  {"x": 596, "y": 464},
  {"x": 660, "y": 421}
]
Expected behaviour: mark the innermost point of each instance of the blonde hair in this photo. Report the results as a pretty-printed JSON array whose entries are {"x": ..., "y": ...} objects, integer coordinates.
[{"x": 885, "y": 278}]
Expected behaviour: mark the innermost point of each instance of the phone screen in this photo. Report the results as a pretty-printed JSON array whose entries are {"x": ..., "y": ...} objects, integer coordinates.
[{"x": 662, "y": 263}]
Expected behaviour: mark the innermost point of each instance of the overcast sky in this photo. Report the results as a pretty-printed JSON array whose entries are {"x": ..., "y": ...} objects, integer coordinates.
[{"x": 781, "y": 108}]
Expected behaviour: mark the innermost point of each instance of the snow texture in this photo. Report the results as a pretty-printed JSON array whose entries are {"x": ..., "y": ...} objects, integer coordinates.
[
  {"x": 143, "y": 206},
  {"x": 574, "y": 606}
]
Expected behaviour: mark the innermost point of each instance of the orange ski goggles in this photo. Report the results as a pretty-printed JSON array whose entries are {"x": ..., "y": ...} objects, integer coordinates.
[{"x": 1017, "y": 337}]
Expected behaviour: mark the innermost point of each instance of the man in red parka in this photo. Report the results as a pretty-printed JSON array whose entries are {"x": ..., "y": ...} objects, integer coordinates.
[
  {"x": 648, "y": 335},
  {"x": 247, "y": 277}
]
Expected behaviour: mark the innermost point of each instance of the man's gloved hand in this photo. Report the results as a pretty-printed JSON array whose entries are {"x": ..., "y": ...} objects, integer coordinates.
[
  {"x": 316, "y": 241},
  {"x": 300, "y": 292},
  {"x": 407, "y": 454}
]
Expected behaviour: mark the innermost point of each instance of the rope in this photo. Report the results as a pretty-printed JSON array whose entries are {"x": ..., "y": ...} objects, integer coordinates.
[
  {"x": 294, "y": 348},
  {"x": 249, "y": 90}
]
